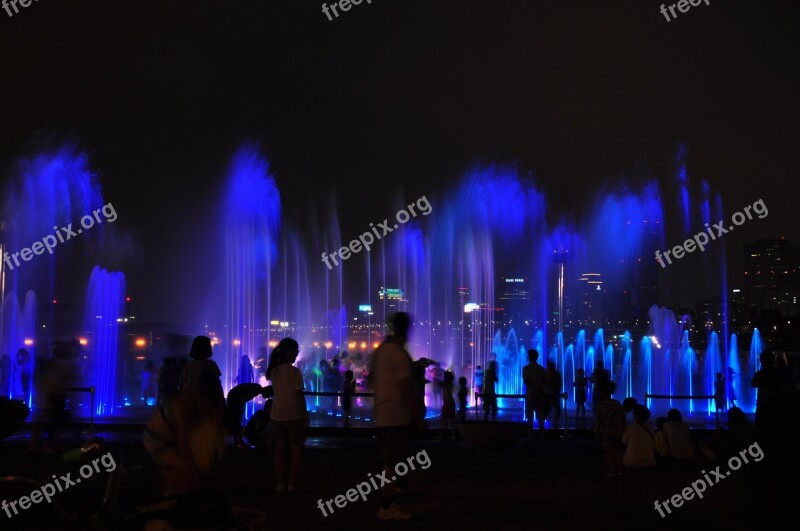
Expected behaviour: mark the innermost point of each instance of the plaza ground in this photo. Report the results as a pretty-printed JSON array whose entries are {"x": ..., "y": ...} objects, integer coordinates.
[{"x": 553, "y": 483}]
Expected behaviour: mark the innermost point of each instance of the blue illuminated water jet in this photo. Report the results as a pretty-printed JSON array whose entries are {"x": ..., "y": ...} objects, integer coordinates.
[{"x": 105, "y": 300}]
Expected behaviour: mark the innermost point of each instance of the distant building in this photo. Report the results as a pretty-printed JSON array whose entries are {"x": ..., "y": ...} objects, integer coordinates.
[
  {"x": 590, "y": 301},
  {"x": 736, "y": 308},
  {"x": 515, "y": 299},
  {"x": 771, "y": 280}
]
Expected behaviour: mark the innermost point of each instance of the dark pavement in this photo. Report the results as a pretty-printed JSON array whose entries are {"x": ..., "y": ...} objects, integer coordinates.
[{"x": 552, "y": 483}]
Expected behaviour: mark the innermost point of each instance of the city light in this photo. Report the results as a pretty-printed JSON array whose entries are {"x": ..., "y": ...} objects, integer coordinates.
[
  {"x": 83, "y": 341},
  {"x": 351, "y": 345},
  {"x": 273, "y": 344},
  {"x": 363, "y": 344},
  {"x": 328, "y": 344},
  {"x": 237, "y": 342},
  {"x": 28, "y": 342},
  {"x": 471, "y": 307},
  {"x": 140, "y": 342}
]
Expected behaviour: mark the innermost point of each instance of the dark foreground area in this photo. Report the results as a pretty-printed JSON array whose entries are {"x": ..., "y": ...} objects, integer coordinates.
[{"x": 552, "y": 483}]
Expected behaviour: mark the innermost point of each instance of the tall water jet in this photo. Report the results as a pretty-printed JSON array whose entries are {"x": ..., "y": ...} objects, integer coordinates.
[
  {"x": 250, "y": 220},
  {"x": 733, "y": 377},
  {"x": 568, "y": 370},
  {"x": 608, "y": 361},
  {"x": 580, "y": 349},
  {"x": 712, "y": 364},
  {"x": 626, "y": 375},
  {"x": 749, "y": 395},
  {"x": 19, "y": 330},
  {"x": 105, "y": 300},
  {"x": 646, "y": 364},
  {"x": 688, "y": 366},
  {"x": 733, "y": 352}
]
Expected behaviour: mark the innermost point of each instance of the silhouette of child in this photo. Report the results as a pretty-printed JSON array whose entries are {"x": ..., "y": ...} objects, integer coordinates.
[
  {"x": 448, "y": 405},
  {"x": 719, "y": 392},
  {"x": 489, "y": 394},
  {"x": 580, "y": 384},
  {"x": 462, "y": 399},
  {"x": 347, "y": 397}
]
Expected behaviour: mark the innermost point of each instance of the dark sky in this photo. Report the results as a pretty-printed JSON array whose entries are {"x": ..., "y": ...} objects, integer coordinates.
[{"x": 404, "y": 94}]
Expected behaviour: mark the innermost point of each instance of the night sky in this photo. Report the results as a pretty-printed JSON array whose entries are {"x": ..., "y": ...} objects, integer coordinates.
[{"x": 401, "y": 96}]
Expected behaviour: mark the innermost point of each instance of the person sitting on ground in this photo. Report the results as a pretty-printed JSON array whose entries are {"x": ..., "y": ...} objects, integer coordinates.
[
  {"x": 640, "y": 450},
  {"x": 628, "y": 404},
  {"x": 661, "y": 437},
  {"x": 182, "y": 439},
  {"x": 678, "y": 436},
  {"x": 187, "y": 445},
  {"x": 737, "y": 434}
]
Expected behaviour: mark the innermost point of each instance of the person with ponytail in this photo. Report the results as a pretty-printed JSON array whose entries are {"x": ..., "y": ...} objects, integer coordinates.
[{"x": 289, "y": 416}]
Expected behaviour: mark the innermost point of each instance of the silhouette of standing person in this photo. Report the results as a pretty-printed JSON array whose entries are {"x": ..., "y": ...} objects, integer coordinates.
[
  {"x": 767, "y": 381},
  {"x": 246, "y": 372},
  {"x": 289, "y": 416},
  {"x": 168, "y": 379},
  {"x": 731, "y": 387},
  {"x": 201, "y": 374},
  {"x": 719, "y": 392},
  {"x": 490, "y": 379},
  {"x": 533, "y": 376},
  {"x": 580, "y": 385},
  {"x": 5, "y": 376},
  {"x": 395, "y": 408},
  {"x": 552, "y": 391},
  {"x": 25, "y": 373},
  {"x": 149, "y": 384},
  {"x": 478, "y": 383},
  {"x": 609, "y": 426}
]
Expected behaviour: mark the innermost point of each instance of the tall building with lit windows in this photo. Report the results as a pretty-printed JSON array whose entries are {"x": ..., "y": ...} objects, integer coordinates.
[
  {"x": 771, "y": 279},
  {"x": 590, "y": 300},
  {"x": 515, "y": 299}
]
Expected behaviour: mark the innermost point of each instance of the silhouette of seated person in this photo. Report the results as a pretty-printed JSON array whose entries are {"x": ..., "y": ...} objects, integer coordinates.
[
  {"x": 679, "y": 438},
  {"x": 737, "y": 434}
]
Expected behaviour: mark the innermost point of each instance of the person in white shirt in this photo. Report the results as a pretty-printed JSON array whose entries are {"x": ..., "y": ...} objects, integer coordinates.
[
  {"x": 289, "y": 416},
  {"x": 640, "y": 449},
  {"x": 395, "y": 407}
]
